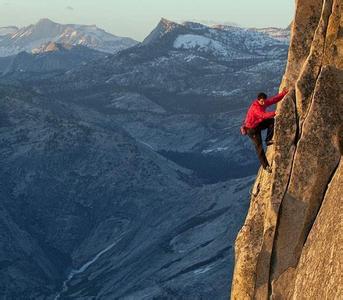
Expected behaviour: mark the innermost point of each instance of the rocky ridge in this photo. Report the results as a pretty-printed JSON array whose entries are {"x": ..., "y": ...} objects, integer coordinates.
[
  {"x": 290, "y": 246},
  {"x": 48, "y": 60}
]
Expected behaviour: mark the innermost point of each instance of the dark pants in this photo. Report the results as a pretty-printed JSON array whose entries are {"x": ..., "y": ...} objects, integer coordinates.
[{"x": 256, "y": 137}]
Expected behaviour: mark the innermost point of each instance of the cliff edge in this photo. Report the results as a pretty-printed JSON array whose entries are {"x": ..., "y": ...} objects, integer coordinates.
[{"x": 291, "y": 245}]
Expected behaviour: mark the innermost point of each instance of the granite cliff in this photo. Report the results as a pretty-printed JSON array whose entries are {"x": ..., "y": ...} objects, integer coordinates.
[{"x": 291, "y": 245}]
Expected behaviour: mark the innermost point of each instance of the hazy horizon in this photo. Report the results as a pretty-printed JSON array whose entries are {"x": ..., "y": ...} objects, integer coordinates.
[{"x": 136, "y": 18}]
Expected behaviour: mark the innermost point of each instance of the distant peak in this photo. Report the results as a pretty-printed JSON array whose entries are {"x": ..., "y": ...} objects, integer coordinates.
[
  {"x": 45, "y": 21},
  {"x": 167, "y": 25},
  {"x": 163, "y": 27},
  {"x": 167, "y": 22}
]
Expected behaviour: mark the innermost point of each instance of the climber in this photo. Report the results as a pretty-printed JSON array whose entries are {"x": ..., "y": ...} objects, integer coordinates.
[{"x": 258, "y": 119}]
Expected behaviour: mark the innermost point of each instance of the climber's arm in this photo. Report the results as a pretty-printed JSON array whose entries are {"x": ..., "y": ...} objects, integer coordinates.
[
  {"x": 268, "y": 115},
  {"x": 276, "y": 99}
]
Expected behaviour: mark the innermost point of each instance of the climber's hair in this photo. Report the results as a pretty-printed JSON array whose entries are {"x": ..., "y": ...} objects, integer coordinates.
[{"x": 261, "y": 96}]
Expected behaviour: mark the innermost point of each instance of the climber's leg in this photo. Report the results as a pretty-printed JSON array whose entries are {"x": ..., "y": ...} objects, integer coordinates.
[
  {"x": 269, "y": 125},
  {"x": 255, "y": 135}
]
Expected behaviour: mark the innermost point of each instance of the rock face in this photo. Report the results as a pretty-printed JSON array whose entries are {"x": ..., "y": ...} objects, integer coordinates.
[{"x": 290, "y": 246}]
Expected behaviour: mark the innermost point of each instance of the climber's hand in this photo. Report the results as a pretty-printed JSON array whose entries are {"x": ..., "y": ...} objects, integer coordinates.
[{"x": 285, "y": 90}]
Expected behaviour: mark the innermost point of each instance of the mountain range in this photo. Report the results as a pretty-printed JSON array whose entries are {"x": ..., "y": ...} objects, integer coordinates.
[
  {"x": 191, "y": 67},
  {"x": 126, "y": 177},
  {"x": 14, "y": 40}
]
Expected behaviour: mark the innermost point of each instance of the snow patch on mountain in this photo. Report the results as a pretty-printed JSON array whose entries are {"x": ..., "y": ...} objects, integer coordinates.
[{"x": 201, "y": 43}]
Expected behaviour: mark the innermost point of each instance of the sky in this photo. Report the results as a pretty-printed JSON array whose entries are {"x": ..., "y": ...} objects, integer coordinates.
[{"x": 136, "y": 18}]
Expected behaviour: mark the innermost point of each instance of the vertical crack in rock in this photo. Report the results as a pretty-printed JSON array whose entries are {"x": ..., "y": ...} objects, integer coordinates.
[
  {"x": 291, "y": 163},
  {"x": 306, "y": 21},
  {"x": 323, "y": 249},
  {"x": 281, "y": 174},
  {"x": 312, "y": 68},
  {"x": 325, "y": 193}
]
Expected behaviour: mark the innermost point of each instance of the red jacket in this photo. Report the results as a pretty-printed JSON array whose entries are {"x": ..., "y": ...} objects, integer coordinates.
[{"x": 257, "y": 112}]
